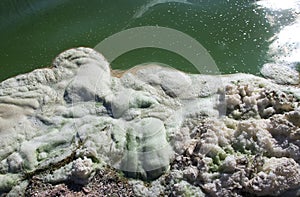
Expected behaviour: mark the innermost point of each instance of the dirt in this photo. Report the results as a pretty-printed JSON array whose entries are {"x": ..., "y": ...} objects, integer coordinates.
[{"x": 106, "y": 182}]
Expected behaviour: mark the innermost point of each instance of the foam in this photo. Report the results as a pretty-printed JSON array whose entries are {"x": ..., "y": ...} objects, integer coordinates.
[
  {"x": 145, "y": 8},
  {"x": 285, "y": 44},
  {"x": 276, "y": 5}
]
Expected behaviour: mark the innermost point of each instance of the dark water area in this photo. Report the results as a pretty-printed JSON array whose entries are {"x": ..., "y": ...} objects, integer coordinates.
[{"x": 32, "y": 32}]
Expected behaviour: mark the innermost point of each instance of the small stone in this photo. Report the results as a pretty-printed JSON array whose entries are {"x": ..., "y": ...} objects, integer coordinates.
[
  {"x": 191, "y": 173},
  {"x": 233, "y": 100},
  {"x": 178, "y": 158},
  {"x": 191, "y": 148},
  {"x": 229, "y": 164},
  {"x": 81, "y": 170},
  {"x": 268, "y": 112}
]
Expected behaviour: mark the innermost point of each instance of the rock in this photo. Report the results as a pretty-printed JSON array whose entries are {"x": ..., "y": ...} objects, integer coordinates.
[
  {"x": 191, "y": 174},
  {"x": 268, "y": 112},
  {"x": 19, "y": 189},
  {"x": 8, "y": 181},
  {"x": 14, "y": 162},
  {"x": 229, "y": 164},
  {"x": 231, "y": 135},
  {"x": 154, "y": 189},
  {"x": 183, "y": 188},
  {"x": 91, "y": 83},
  {"x": 281, "y": 74},
  {"x": 277, "y": 175},
  {"x": 262, "y": 103},
  {"x": 233, "y": 101},
  {"x": 294, "y": 117},
  {"x": 81, "y": 170}
]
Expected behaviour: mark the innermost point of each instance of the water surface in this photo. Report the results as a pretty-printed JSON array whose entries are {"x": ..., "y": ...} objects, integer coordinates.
[{"x": 238, "y": 34}]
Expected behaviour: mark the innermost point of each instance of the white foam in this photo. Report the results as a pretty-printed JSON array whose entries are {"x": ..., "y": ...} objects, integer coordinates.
[
  {"x": 145, "y": 8},
  {"x": 280, "y": 4},
  {"x": 285, "y": 45}
]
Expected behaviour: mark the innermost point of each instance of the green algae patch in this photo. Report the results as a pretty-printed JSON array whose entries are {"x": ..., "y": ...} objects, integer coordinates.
[{"x": 8, "y": 181}]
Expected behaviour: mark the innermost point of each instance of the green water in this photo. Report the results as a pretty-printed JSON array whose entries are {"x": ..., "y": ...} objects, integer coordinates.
[{"x": 33, "y": 32}]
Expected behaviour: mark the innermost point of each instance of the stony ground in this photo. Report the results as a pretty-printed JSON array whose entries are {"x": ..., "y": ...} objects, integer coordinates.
[
  {"x": 185, "y": 135},
  {"x": 104, "y": 183}
]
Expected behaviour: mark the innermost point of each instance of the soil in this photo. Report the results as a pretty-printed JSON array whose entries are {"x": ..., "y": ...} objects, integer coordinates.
[{"x": 104, "y": 183}]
